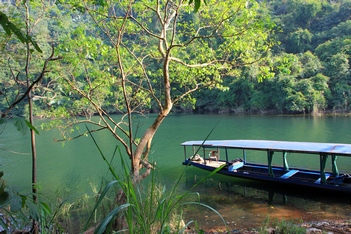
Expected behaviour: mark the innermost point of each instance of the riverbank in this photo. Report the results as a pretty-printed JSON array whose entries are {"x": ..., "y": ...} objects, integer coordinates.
[{"x": 313, "y": 227}]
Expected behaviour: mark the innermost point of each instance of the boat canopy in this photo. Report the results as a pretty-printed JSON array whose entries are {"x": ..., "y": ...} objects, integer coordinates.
[{"x": 283, "y": 146}]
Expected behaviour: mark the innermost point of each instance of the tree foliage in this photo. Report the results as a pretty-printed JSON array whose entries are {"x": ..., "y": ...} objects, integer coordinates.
[
  {"x": 130, "y": 57},
  {"x": 149, "y": 56},
  {"x": 323, "y": 31},
  {"x": 314, "y": 44}
]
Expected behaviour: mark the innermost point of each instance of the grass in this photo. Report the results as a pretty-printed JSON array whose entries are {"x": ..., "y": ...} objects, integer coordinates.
[
  {"x": 19, "y": 210},
  {"x": 282, "y": 226},
  {"x": 146, "y": 208}
]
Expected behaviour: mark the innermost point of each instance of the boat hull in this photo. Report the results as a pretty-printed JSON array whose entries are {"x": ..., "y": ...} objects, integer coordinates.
[{"x": 293, "y": 176}]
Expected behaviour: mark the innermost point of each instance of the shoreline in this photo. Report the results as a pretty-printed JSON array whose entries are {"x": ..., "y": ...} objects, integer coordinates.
[{"x": 337, "y": 226}]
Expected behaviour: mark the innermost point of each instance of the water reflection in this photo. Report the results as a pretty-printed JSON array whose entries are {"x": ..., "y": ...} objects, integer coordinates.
[
  {"x": 247, "y": 204},
  {"x": 74, "y": 166}
]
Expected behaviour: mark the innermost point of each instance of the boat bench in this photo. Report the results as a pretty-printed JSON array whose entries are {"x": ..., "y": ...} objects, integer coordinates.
[
  {"x": 289, "y": 174},
  {"x": 235, "y": 166},
  {"x": 327, "y": 175}
]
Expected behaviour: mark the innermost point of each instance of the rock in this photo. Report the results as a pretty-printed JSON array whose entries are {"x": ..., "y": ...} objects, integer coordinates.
[
  {"x": 320, "y": 224},
  {"x": 270, "y": 230},
  {"x": 313, "y": 231}
]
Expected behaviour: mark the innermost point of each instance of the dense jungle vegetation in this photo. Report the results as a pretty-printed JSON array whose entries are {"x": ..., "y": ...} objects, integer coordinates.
[
  {"x": 306, "y": 70},
  {"x": 310, "y": 63},
  {"x": 70, "y": 58}
]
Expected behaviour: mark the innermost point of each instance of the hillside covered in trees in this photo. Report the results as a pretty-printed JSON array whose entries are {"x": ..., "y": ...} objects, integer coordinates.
[
  {"x": 310, "y": 63},
  {"x": 305, "y": 67}
]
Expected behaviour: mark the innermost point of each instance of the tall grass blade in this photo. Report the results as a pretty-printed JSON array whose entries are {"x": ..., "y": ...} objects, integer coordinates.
[
  {"x": 181, "y": 176},
  {"x": 186, "y": 226},
  {"x": 143, "y": 214},
  {"x": 102, "y": 155},
  {"x": 173, "y": 191},
  {"x": 208, "y": 207},
  {"x": 4, "y": 226},
  {"x": 107, "y": 220},
  {"x": 208, "y": 135},
  {"x": 101, "y": 197}
]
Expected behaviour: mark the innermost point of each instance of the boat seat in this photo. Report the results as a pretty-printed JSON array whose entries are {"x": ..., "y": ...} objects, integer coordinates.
[
  {"x": 289, "y": 174},
  {"x": 236, "y": 165},
  {"x": 319, "y": 180},
  {"x": 257, "y": 166}
]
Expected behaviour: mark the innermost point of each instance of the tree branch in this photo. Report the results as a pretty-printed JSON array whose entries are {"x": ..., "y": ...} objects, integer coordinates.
[{"x": 40, "y": 77}]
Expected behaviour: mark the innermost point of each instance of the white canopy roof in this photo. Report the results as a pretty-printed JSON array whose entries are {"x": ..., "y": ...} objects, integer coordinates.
[{"x": 288, "y": 146}]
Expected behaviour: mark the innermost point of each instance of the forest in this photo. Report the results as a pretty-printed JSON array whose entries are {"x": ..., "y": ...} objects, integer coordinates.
[
  {"x": 79, "y": 63},
  {"x": 304, "y": 69},
  {"x": 309, "y": 62}
]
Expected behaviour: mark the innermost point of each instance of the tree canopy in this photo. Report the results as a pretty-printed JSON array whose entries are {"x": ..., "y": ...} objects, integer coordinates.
[
  {"x": 131, "y": 57},
  {"x": 151, "y": 56},
  {"x": 323, "y": 31}
]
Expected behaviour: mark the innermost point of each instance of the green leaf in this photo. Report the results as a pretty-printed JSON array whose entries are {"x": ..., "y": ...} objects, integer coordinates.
[
  {"x": 16, "y": 203},
  {"x": 33, "y": 211},
  {"x": 105, "y": 222},
  {"x": 46, "y": 208},
  {"x": 35, "y": 44},
  {"x": 197, "y": 5},
  {"x": 21, "y": 125},
  {"x": 101, "y": 2},
  {"x": 3, "y": 120},
  {"x": 5, "y": 226},
  {"x": 101, "y": 197},
  {"x": 11, "y": 28},
  {"x": 32, "y": 127}
]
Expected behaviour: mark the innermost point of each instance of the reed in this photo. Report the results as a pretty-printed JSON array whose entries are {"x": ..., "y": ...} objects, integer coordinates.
[{"x": 149, "y": 207}]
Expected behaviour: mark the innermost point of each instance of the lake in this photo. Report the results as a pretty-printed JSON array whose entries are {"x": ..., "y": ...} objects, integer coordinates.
[{"x": 76, "y": 167}]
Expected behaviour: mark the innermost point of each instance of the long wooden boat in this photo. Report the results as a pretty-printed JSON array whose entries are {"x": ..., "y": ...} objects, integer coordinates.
[{"x": 232, "y": 156}]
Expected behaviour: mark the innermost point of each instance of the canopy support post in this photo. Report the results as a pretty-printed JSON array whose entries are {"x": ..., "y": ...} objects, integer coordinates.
[
  {"x": 323, "y": 160},
  {"x": 270, "y": 158},
  {"x": 334, "y": 165},
  {"x": 285, "y": 162},
  {"x": 226, "y": 154}
]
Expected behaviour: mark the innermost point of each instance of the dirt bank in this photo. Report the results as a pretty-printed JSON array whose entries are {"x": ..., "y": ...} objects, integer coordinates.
[{"x": 313, "y": 227}]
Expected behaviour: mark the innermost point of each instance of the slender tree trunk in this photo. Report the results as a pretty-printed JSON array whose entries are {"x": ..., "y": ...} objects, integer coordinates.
[
  {"x": 32, "y": 133},
  {"x": 34, "y": 160}
]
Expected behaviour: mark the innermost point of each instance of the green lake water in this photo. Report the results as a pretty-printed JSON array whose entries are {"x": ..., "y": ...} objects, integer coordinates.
[{"x": 73, "y": 167}]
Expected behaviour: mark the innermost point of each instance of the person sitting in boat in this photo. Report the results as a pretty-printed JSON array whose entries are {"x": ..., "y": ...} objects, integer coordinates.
[
  {"x": 196, "y": 158},
  {"x": 213, "y": 155},
  {"x": 236, "y": 160}
]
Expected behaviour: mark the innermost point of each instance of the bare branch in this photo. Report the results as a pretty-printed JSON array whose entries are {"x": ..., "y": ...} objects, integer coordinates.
[
  {"x": 40, "y": 77},
  {"x": 193, "y": 65},
  {"x": 150, "y": 90},
  {"x": 80, "y": 135},
  {"x": 104, "y": 117}
]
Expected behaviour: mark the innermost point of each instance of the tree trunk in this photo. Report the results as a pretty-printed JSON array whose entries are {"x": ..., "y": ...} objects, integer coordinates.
[
  {"x": 144, "y": 146},
  {"x": 35, "y": 227},
  {"x": 34, "y": 161}
]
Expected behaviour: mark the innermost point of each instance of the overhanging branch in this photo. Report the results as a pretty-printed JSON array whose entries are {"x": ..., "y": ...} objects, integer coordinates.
[{"x": 40, "y": 77}]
